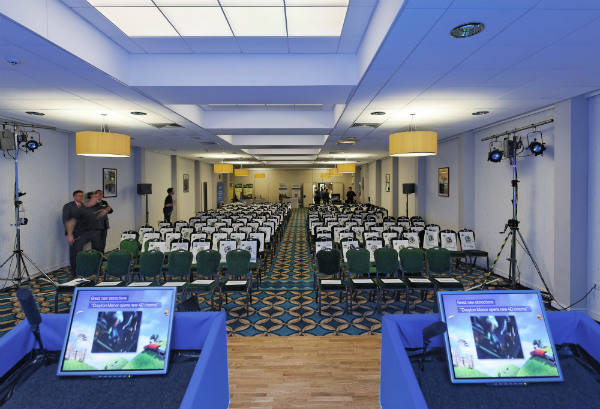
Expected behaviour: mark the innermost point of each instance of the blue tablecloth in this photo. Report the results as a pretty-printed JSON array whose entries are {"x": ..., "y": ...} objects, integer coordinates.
[
  {"x": 398, "y": 385},
  {"x": 209, "y": 386}
]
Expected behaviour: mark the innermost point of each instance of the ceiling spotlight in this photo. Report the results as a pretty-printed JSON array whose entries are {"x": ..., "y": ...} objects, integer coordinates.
[
  {"x": 32, "y": 144},
  {"x": 481, "y": 113},
  {"x": 467, "y": 30},
  {"x": 536, "y": 148},
  {"x": 378, "y": 113},
  {"x": 35, "y": 113},
  {"x": 137, "y": 113},
  {"x": 495, "y": 154},
  {"x": 13, "y": 60}
]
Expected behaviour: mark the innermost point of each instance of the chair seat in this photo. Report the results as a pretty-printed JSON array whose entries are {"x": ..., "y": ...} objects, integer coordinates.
[
  {"x": 363, "y": 284},
  {"x": 447, "y": 283},
  {"x": 475, "y": 253},
  {"x": 204, "y": 285},
  {"x": 235, "y": 285},
  {"x": 332, "y": 285},
  {"x": 390, "y": 283},
  {"x": 254, "y": 266},
  {"x": 457, "y": 254},
  {"x": 419, "y": 283}
]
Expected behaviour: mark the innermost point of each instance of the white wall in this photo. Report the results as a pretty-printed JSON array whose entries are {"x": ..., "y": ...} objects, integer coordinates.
[
  {"x": 386, "y": 197},
  {"x": 371, "y": 187},
  {"x": 186, "y": 201},
  {"x": 593, "y": 262},
  {"x": 157, "y": 171}
]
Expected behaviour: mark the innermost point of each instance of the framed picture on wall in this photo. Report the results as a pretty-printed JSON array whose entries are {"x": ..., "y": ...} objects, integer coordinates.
[
  {"x": 109, "y": 182},
  {"x": 387, "y": 182},
  {"x": 186, "y": 183},
  {"x": 444, "y": 182}
]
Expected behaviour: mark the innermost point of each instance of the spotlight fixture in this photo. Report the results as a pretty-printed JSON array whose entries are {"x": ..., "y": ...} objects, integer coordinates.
[
  {"x": 467, "y": 30},
  {"x": 35, "y": 113},
  {"x": 378, "y": 113},
  {"x": 32, "y": 144},
  {"x": 536, "y": 148},
  {"x": 495, "y": 154},
  {"x": 138, "y": 113},
  {"x": 481, "y": 113}
]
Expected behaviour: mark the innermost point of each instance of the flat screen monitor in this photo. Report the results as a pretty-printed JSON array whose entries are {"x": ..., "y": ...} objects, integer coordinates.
[
  {"x": 498, "y": 337},
  {"x": 118, "y": 332}
]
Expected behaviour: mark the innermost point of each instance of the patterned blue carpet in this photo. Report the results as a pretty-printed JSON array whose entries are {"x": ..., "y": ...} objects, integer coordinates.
[{"x": 284, "y": 305}]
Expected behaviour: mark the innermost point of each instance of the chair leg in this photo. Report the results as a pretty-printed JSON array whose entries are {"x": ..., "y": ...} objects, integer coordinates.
[
  {"x": 406, "y": 304},
  {"x": 319, "y": 295}
]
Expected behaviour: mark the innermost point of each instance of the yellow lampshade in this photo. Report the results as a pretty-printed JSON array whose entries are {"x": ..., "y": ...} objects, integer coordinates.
[
  {"x": 241, "y": 172},
  {"x": 259, "y": 176},
  {"x": 223, "y": 168},
  {"x": 413, "y": 143},
  {"x": 103, "y": 144},
  {"x": 334, "y": 172},
  {"x": 325, "y": 176},
  {"x": 346, "y": 168}
]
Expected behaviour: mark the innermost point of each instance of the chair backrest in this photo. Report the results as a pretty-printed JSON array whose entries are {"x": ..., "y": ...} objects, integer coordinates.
[
  {"x": 225, "y": 246},
  {"x": 323, "y": 244},
  {"x": 132, "y": 246},
  {"x": 118, "y": 263},
  {"x": 164, "y": 224},
  {"x": 412, "y": 260},
  {"x": 348, "y": 244},
  {"x": 329, "y": 261},
  {"x": 373, "y": 245},
  {"x": 88, "y": 264},
  {"x": 388, "y": 236},
  {"x": 156, "y": 245},
  {"x": 413, "y": 238},
  {"x": 186, "y": 232},
  {"x": 438, "y": 260},
  {"x": 238, "y": 263},
  {"x": 448, "y": 239},
  {"x": 260, "y": 236},
  {"x": 237, "y": 236},
  {"x": 386, "y": 261},
  {"x": 216, "y": 238},
  {"x": 467, "y": 239},
  {"x": 149, "y": 236},
  {"x": 207, "y": 263},
  {"x": 359, "y": 261},
  {"x": 180, "y": 264},
  {"x": 431, "y": 239},
  {"x": 200, "y": 245},
  {"x": 398, "y": 244},
  {"x": 182, "y": 244},
  {"x": 130, "y": 234},
  {"x": 151, "y": 263},
  {"x": 250, "y": 246}
]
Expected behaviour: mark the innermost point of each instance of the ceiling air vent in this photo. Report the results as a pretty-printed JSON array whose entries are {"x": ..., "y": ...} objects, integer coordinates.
[
  {"x": 364, "y": 125},
  {"x": 350, "y": 140},
  {"x": 167, "y": 125},
  {"x": 208, "y": 143}
]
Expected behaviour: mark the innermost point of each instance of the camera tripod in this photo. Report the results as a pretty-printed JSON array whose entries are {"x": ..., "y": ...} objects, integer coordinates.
[
  {"x": 21, "y": 273},
  {"x": 513, "y": 225}
]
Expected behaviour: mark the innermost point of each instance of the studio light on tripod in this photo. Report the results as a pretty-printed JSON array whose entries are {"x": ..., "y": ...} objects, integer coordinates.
[
  {"x": 536, "y": 148},
  {"x": 32, "y": 144}
]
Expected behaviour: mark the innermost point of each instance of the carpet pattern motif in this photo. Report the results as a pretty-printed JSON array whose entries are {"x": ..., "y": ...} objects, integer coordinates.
[{"x": 284, "y": 305}]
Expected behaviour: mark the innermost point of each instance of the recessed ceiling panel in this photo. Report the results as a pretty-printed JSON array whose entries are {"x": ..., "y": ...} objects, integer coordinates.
[
  {"x": 282, "y": 151},
  {"x": 120, "y": 3},
  {"x": 284, "y": 157},
  {"x": 315, "y": 21},
  {"x": 198, "y": 21},
  {"x": 256, "y": 21},
  {"x": 148, "y": 21}
]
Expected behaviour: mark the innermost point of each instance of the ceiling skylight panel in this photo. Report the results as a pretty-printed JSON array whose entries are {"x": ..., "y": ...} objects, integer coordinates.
[
  {"x": 187, "y": 3},
  {"x": 198, "y": 21},
  {"x": 319, "y": 3},
  {"x": 139, "y": 21},
  {"x": 252, "y": 3},
  {"x": 315, "y": 21},
  {"x": 120, "y": 3},
  {"x": 256, "y": 21}
]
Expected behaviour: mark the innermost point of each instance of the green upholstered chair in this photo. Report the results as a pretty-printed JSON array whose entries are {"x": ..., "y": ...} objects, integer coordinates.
[
  {"x": 238, "y": 276},
  {"x": 207, "y": 268},
  {"x": 118, "y": 264},
  {"x": 179, "y": 266},
  {"x": 359, "y": 274},
  {"x": 328, "y": 275},
  {"x": 150, "y": 266},
  {"x": 449, "y": 240},
  {"x": 439, "y": 267},
  {"x": 133, "y": 247},
  {"x": 412, "y": 262},
  {"x": 467, "y": 244},
  {"x": 89, "y": 263},
  {"x": 386, "y": 265}
]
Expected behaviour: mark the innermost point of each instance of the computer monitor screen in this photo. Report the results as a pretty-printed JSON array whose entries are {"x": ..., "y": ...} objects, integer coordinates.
[
  {"x": 498, "y": 337},
  {"x": 118, "y": 331}
]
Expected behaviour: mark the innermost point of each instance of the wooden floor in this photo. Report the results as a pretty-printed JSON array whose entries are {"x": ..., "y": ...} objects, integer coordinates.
[{"x": 304, "y": 372}]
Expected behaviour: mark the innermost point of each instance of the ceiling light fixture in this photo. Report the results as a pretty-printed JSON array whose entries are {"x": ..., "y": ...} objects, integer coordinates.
[
  {"x": 413, "y": 142},
  {"x": 138, "y": 113},
  {"x": 35, "y": 113},
  {"x": 102, "y": 144},
  {"x": 259, "y": 176},
  {"x": 334, "y": 172},
  {"x": 13, "y": 60},
  {"x": 378, "y": 113},
  {"x": 467, "y": 30},
  {"x": 325, "y": 175},
  {"x": 495, "y": 154},
  {"x": 223, "y": 167},
  {"x": 481, "y": 113},
  {"x": 536, "y": 148},
  {"x": 241, "y": 171}
]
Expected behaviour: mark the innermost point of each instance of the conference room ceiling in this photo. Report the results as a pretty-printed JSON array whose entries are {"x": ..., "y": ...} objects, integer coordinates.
[{"x": 285, "y": 97}]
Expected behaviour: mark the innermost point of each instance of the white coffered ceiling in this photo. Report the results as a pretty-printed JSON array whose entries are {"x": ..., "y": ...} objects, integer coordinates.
[{"x": 285, "y": 97}]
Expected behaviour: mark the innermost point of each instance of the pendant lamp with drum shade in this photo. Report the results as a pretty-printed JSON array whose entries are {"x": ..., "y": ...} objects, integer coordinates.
[
  {"x": 223, "y": 167},
  {"x": 334, "y": 172},
  {"x": 102, "y": 144},
  {"x": 413, "y": 143},
  {"x": 241, "y": 171},
  {"x": 259, "y": 176}
]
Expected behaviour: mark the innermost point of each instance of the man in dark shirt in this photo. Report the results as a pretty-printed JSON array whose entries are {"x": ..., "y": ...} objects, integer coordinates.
[
  {"x": 325, "y": 196},
  {"x": 81, "y": 228},
  {"x": 68, "y": 213},
  {"x": 168, "y": 207},
  {"x": 102, "y": 224},
  {"x": 350, "y": 195},
  {"x": 317, "y": 197}
]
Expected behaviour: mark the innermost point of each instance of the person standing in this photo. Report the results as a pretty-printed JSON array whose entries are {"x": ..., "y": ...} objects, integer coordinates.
[
  {"x": 81, "y": 228},
  {"x": 317, "y": 197},
  {"x": 350, "y": 195},
  {"x": 325, "y": 197},
  {"x": 102, "y": 224},
  {"x": 169, "y": 202},
  {"x": 68, "y": 212}
]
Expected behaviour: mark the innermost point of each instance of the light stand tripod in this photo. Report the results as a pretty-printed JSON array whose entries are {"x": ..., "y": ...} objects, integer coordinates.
[
  {"x": 514, "y": 144},
  {"x": 18, "y": 254}
]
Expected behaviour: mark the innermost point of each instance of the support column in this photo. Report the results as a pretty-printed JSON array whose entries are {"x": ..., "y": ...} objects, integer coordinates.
[
  {"x": 571, "y": 147},
  {"x": 379, "y": 182},
  {"x": 395, "y": 188}
]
